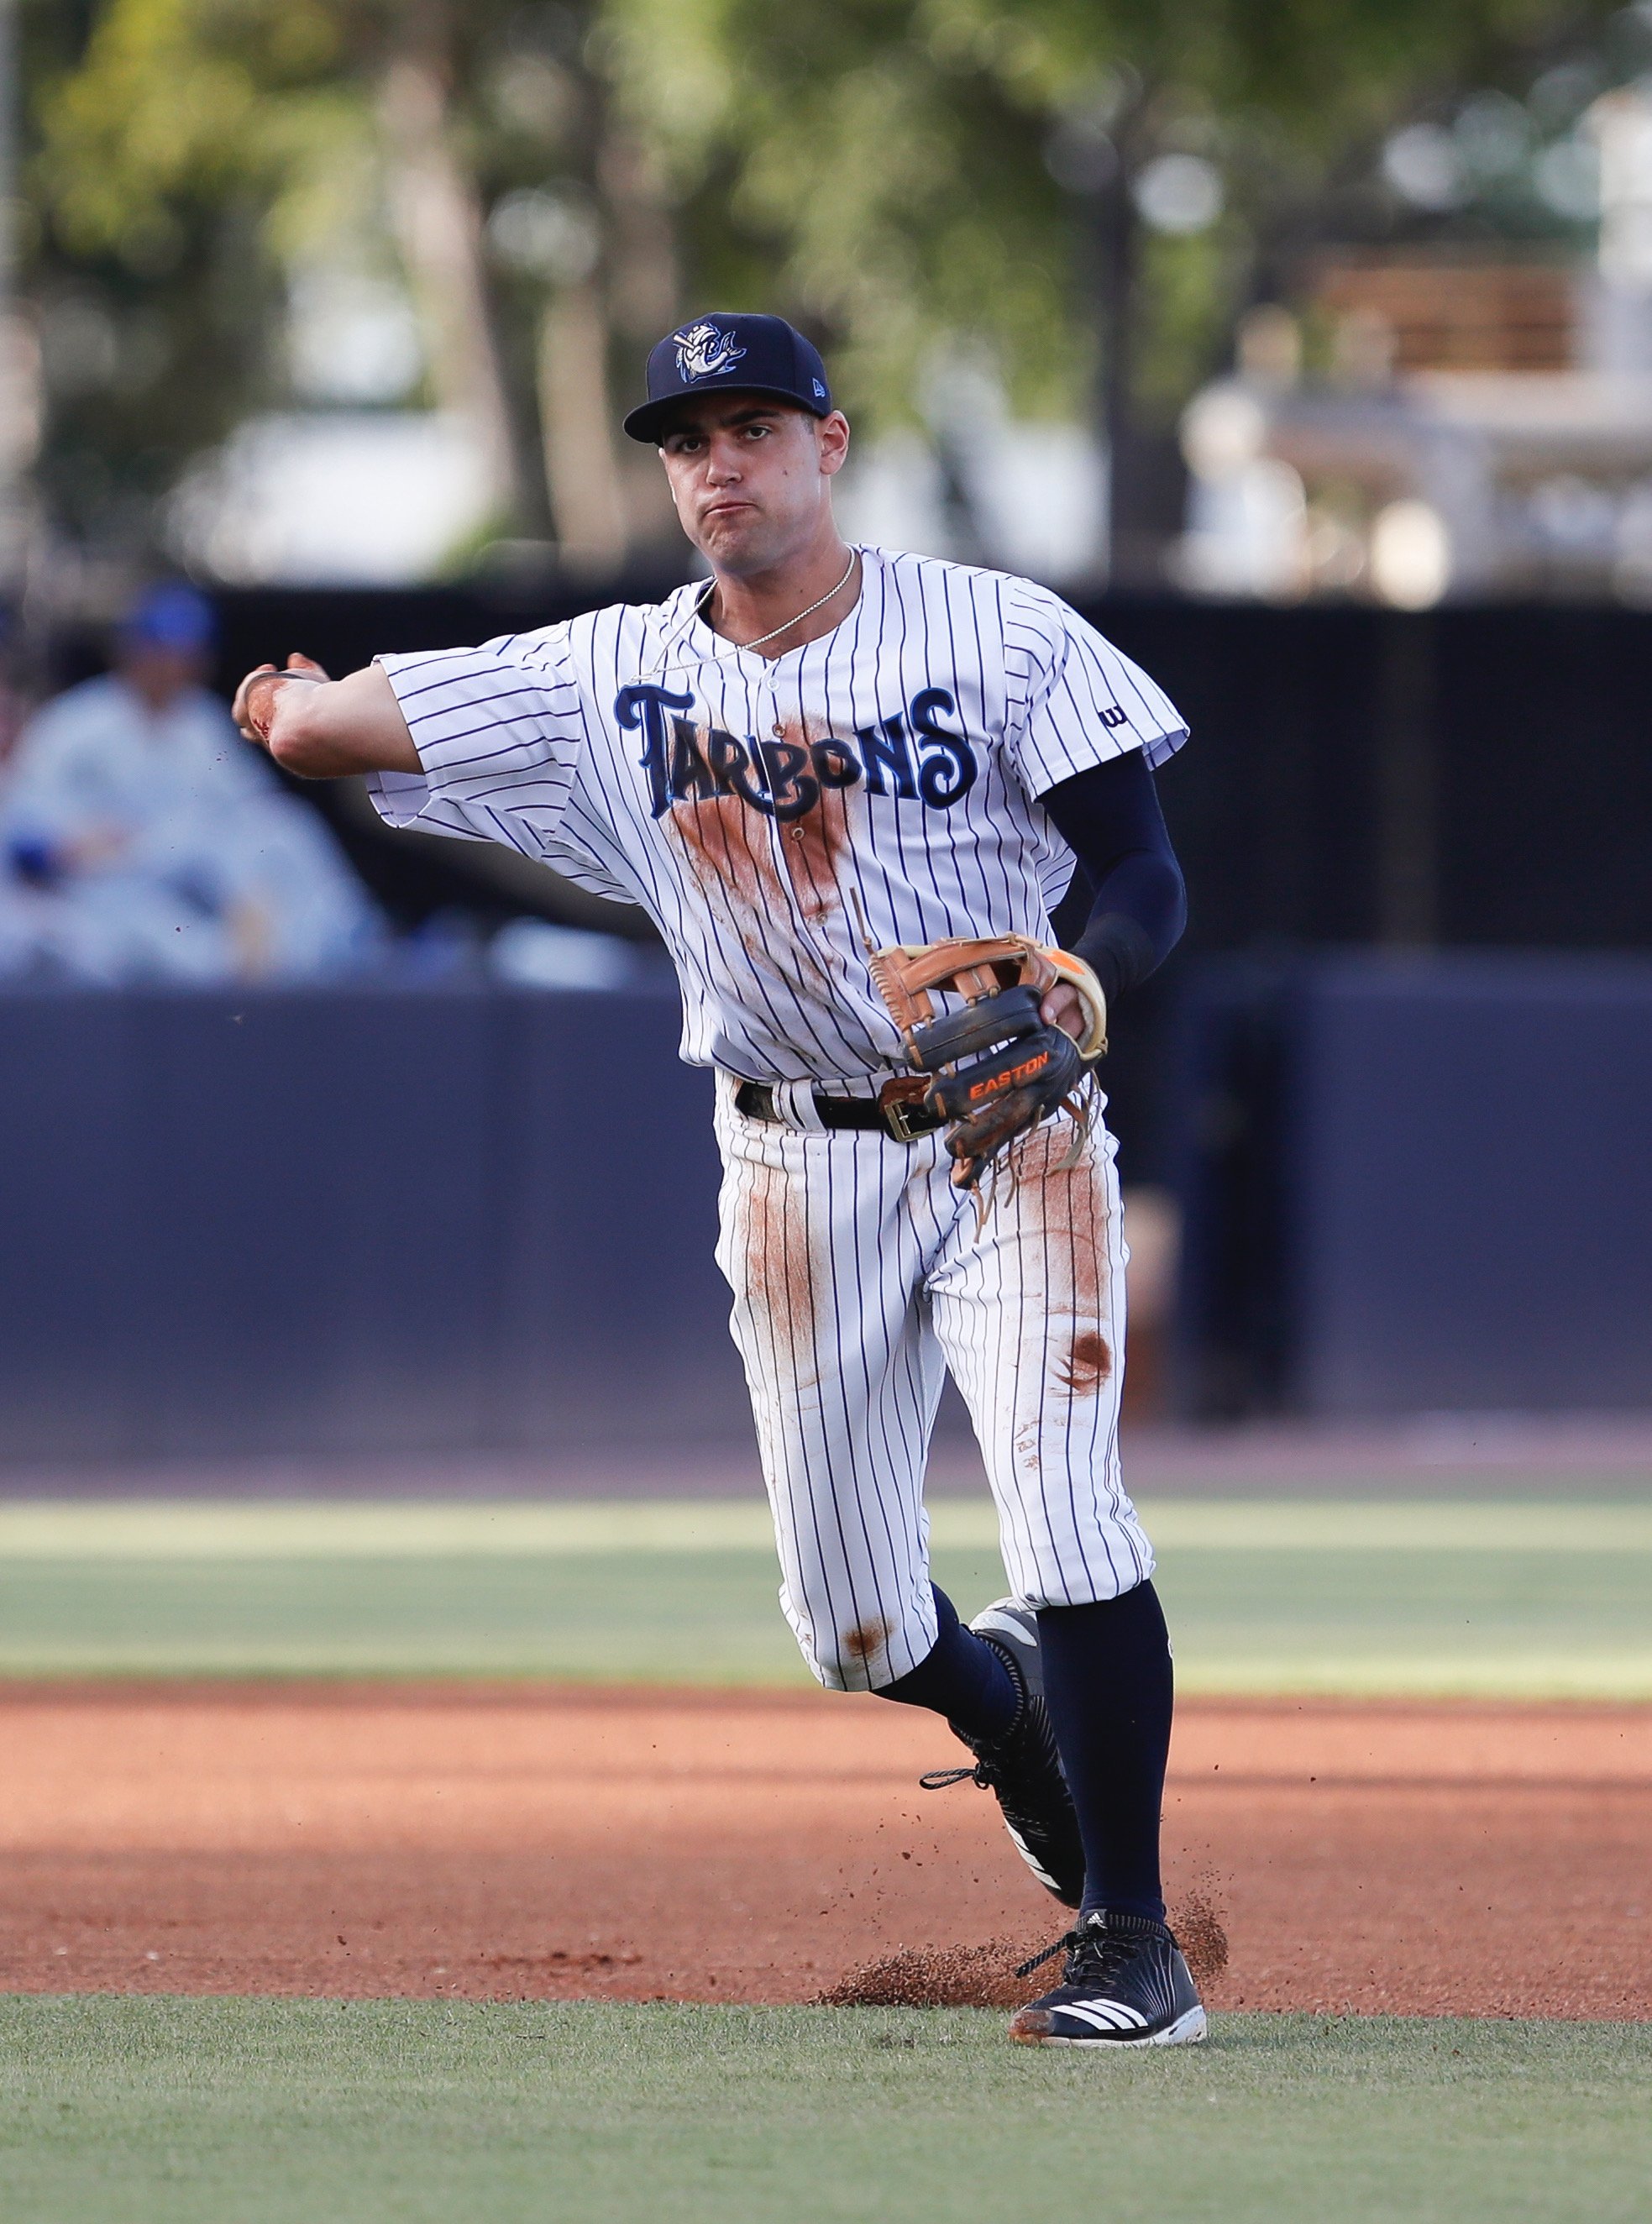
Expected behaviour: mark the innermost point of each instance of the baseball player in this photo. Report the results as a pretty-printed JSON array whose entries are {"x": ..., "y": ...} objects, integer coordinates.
[{"x": 849, "y": 785}]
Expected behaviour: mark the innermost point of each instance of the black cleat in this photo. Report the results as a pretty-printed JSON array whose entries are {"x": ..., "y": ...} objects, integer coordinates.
[
  {"x": 1020, "y": 1768},
  {"x": 1125, "y": 1984}
]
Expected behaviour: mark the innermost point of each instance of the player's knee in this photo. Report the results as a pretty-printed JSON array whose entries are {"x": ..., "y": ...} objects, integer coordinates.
[{"x": 864, "y": 1655}]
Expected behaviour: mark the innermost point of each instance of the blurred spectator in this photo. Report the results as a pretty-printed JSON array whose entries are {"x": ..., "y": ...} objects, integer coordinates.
[
  {"x": 14, "y": 709},
  {"x": 142, "y": 840}
]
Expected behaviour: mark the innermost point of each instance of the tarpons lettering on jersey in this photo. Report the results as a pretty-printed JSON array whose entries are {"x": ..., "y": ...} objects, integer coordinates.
[{"x": 910, "y": 757}]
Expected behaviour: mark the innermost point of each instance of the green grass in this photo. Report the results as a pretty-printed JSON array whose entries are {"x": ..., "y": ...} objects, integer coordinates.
[
  {"x": 1516, "y": 1600},
  {"x": 287, "y": 2112}
]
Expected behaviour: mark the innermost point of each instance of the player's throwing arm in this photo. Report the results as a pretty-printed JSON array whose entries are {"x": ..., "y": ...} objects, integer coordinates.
[{"x": 323, "y": 729}]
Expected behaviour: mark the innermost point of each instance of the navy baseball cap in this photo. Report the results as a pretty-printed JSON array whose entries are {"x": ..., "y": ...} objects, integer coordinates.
[{"x": 755, "y": 354}]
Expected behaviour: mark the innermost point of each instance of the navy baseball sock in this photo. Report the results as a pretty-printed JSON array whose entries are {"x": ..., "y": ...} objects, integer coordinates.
[
  {"x": 1107, "y": 1685},
  {"x": 964, "y": 1678}
]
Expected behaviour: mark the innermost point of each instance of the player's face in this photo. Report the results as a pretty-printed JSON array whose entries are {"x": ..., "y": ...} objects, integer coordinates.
[{"x": 751, "y": 478}]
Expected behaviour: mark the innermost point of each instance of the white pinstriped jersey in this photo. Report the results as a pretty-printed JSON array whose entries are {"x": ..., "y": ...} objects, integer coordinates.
[{"x": 740, "y": 798}]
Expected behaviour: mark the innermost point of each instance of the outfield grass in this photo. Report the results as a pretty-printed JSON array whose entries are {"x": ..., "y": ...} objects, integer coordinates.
[
  {"x": 1518, "y": 1599},
  {"x": 268, "y": 2111}
]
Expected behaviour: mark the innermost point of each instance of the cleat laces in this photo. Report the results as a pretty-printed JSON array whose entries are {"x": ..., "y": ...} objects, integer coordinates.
[
  {"x": 1093, "y": 1955},
  {"x": 940, "y": 1779},
  {"x": 991, "y": 1776}
]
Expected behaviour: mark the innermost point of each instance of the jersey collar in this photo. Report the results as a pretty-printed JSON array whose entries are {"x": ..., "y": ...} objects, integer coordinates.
[{"x": 688, "y": 640}]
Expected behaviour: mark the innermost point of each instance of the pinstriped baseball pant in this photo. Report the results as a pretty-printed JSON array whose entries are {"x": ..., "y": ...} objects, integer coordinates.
[{"x": 860, "y": 1276}]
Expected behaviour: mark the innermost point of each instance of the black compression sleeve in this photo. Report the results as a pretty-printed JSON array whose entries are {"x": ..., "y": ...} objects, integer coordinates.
[{"x": 1110, "y": 819}]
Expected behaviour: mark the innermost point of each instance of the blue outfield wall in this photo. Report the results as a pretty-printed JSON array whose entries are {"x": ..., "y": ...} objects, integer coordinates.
[
  {"x": 1473, "y": 1187},
  {"x": 1418, "y": 1182},
  {"x": 402, "y": 1219},
  {"x": 361, "y": 1219}
]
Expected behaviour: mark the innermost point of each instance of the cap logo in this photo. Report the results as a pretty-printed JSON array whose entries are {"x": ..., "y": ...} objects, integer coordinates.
[
  {"x": 703, "y": 352},
  {"x": 820, "y": 391}
]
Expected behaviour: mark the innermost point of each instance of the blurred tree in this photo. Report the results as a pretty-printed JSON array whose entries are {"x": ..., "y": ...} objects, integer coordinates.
[
  {"x": 194, "y": 159},
  {"x": 907, "y": 169},
  {"x": 123, "y": 302},
  {"x": 1080, "y": 187}
]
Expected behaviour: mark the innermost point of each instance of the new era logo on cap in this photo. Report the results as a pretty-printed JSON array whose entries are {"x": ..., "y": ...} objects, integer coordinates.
[{"x": 755, "y": 354}]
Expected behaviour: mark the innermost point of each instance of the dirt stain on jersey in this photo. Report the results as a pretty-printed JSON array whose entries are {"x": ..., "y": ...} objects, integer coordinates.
[
  {"x": 748, "y": 899},
  {"x": 760, "y": 874},
  {"x": 728, "y": 849},
  {"x": 814, "y": 845}
]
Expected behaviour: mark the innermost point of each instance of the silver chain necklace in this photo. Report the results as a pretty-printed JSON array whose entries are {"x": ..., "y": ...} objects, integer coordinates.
[{"x": 701, "y": 607}]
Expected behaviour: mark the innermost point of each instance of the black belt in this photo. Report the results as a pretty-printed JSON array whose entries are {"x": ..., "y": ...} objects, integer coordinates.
[{"x": 898, "y": 1112}]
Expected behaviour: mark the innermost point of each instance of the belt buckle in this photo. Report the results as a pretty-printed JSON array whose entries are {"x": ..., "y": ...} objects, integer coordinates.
[{"x": 900, "y": 1100}]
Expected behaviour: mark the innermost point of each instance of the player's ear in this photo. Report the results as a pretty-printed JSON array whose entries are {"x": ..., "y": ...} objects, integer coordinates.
[{"x": 832, "y": 438}]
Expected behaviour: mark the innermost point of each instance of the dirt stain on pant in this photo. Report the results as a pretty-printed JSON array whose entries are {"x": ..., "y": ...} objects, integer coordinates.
[
  {"x": 867, "y": 1638},
  {"x": 1086, "y": 1365},
  {"x": 1062, "y": 1210},
  {"x": 774, "y": 1265}
]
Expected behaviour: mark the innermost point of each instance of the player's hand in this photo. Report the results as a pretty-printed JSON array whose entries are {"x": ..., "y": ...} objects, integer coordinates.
[
  {"x": 254, "y": 700},
  {"x": 1063, "y": 1007}
]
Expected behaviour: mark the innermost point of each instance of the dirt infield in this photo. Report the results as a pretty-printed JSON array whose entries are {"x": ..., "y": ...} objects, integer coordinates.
[{"x": 489, "y": 1844}]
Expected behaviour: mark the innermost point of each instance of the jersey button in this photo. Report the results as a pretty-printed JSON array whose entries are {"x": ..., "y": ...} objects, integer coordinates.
[{"x": 779, "y": 732}]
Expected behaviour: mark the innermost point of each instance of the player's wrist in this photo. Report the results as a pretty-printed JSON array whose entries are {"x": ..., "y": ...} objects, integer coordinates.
[{"x": 1117, "y": 951}]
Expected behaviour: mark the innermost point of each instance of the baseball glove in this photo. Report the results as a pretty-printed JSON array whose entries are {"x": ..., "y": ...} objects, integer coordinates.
[{"x": 998, "y": 1067}]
